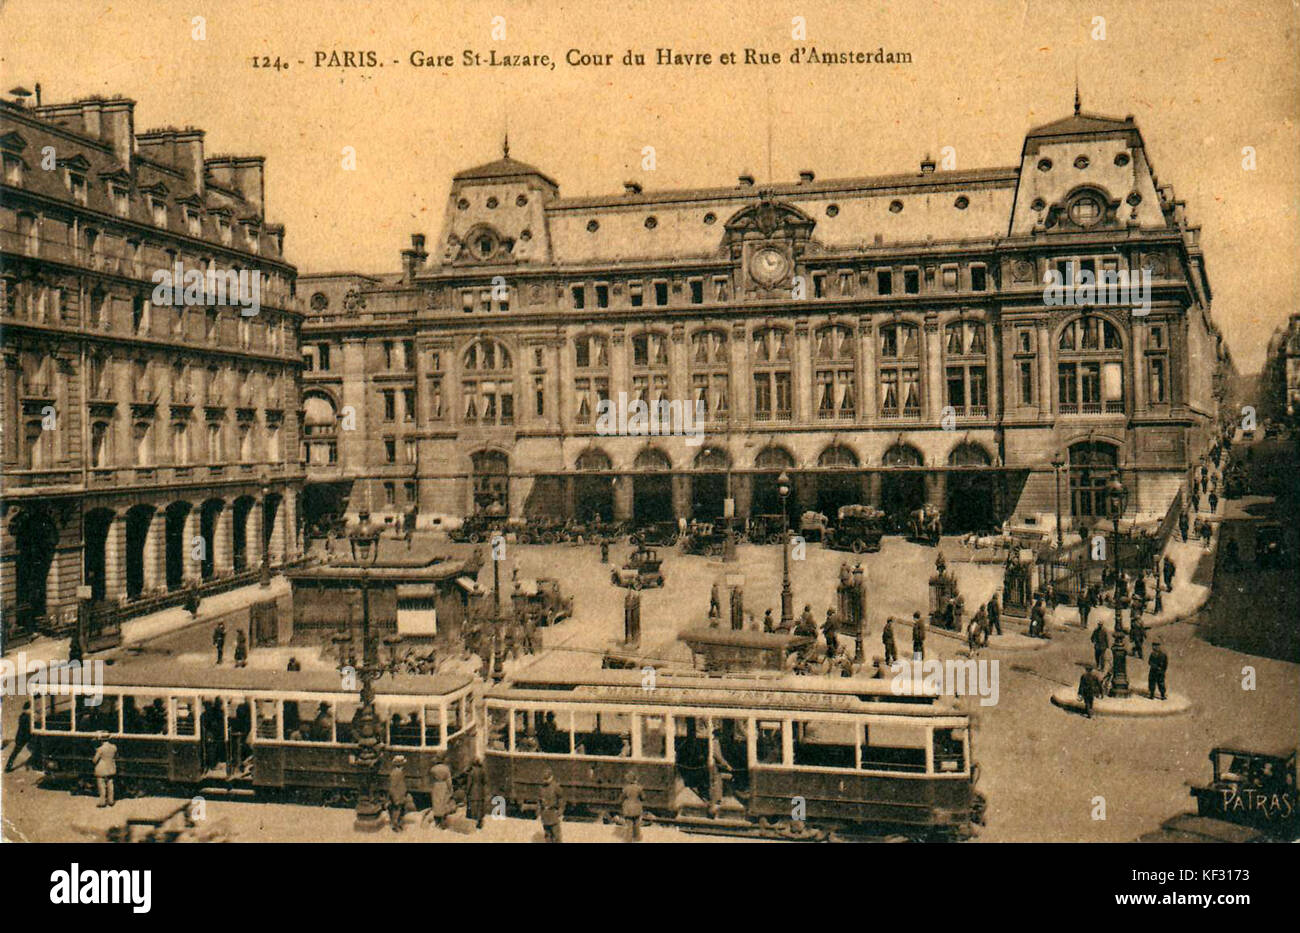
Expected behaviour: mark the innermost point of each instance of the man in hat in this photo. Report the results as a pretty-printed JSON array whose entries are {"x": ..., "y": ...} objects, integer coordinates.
[
  {"x": 397, "y": 793},
  {"x": 1170, "y": 569},
  {"x": 105, "y": 768},
  {"x": 1089, "y": 689},
  {"x": 476, "y": 793},
  {"x": 219, "y": 639},
  {"x": 633, "y": 793},
  {"x": 1038, "y": 618},
  {"x": 887, "y": 639},
  {"x": 1157, "y": 665},
  {"x": 918, "y": 637},
  {"x": 995, "y": 615},
  {"x": 550, "y": 807},
  {"x": 1100, "y": 643},
  {"x": 830, "y": 629},
  {"x": 1137, "y": 631},
  {"x": 769, "y": 624}
]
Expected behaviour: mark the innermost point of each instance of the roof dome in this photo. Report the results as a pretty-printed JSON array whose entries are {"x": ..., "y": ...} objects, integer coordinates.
[{"x": 502, "y": 168}]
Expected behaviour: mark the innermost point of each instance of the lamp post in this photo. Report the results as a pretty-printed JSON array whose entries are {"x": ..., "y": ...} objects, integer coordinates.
[
  {"x": 266, "y": 534},
  {"x": 1058, "y": 462},
  {"x": 364, "y": 541},
  {"x": 787, "y": 596},
  {"x": 1116, "y": 497}
]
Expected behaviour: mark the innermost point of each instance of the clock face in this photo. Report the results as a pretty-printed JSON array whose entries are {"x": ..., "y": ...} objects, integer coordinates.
[{"x": 768, "y": 266}]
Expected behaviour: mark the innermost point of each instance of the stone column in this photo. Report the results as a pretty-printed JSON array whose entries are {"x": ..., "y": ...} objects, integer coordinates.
[
  {"x": 155, "y": 553},
  {"x": 740, "y": 384},
  {"x": 191, "y": 569},
  {"x": 932, "y": 366},
  {"x": 1046, "y": 385},
  {"x": 623, "y": 493},
  {"x": 936, "y": 488},
  {"x": 115, "y": 559},
  {"x": 993, "y": 374},
  {"x": 866, "y": 375},
  {"x": 223, "y": 538},
  {"x": 801, "y": 373},
  {"x": 253, "y": 542}
]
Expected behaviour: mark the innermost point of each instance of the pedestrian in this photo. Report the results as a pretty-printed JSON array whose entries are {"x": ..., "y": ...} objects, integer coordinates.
[
  {"x": 887, "y": 639},
  {"x": 219, "y": 639},
  {"x": 75, "y": 651},
  {"x": 830, "y": 629},
  {"x": 105, "y": 762},
  {"x": 715, "y": 601},
  {"x": 973, "y": 628},
  {"x": 918, "y": 637},
  {"x": 294, "y": 665},
  {"x": 633, "y": 809},
  {"x": 1085, "y": 605},
  {"x": 1182, "y": 525},
  {"x": 241, "y": 648},
  {"x": 1038, "y": 618},
  {"x": 1171, "y": 568},
  {"x": 1089, "y": 689},
  {"x": 807, "y": 625},
  {"x": 442, "y": 802},
  {"x": 1196, "y": 500},
  {"x": 1100, "y": 643},
  {"x": 397, "y": 793},
  {"x": 1157, "y": 665},
  {"x": 1137, "y": 631},
  {"x": 1206, "y": 532},
  {"x": 23, "y": 739},
  {"x": 550, "y": 807},
  {"x": 1214, "y": 501},
  {"x": 769, "y": 625},
  {"x": 604, "y": 551},
  {"x": 995, "y": 615},
  {"x": 476, "y": 793}
]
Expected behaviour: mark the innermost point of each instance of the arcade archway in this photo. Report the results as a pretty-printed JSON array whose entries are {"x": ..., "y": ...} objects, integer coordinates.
[
  {"x": 491, "y": 481},
  {"x": 709, "y": 484},
  {"x": 175, "y": 545},
  {"x": 593, "y": 487},
  {"x": 902, "y": 487},
  {"x": 970, "y": 500},
  {"x": 770, "y": 463},
  {"x": 841, "y": 485},
  {"x": 652, "y": 487},
  {"x": 94, "y": 573}
]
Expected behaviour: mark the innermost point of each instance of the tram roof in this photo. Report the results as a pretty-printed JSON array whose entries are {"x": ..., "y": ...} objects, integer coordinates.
[
  {"x": 172, "y": 675},
  {"x": 733, "y": 689}
]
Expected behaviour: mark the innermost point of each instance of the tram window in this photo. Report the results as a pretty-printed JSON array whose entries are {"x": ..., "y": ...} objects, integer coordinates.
[
  {"x": 949, "y": 750},
  {"x": 605, "y": 734},
  {"x": 344, "y": 717},
  {"x": 888, "y": 747},
  {"x": 498, "y": 724},
  {"x": 454, "y": 721},
  {"x": 526, "y": 723},
  {"x": 295, "y": 730},
  {"x": 58, "y": 713},
  {"x": 550, "y": 735},
  {"x": 183, "y": 709},
  {"x": 468, "y": 699},
  {"x": 824, "y": 744},
  {"x": 654, "y": 737},
  {"x": 100, "y": 718},
  {"x": 144, "y": 715},
  {"x": 770, "y": 736},
  {"x": 268, "y": 718},
  {"x": 403, "y": 724}
]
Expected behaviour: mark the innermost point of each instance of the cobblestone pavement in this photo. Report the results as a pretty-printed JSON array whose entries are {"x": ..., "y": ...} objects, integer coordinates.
[{"x": 1041, "y": 767}]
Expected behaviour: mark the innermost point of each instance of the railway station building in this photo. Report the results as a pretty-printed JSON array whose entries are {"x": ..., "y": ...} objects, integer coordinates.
[{"x": 883, "y": 339}]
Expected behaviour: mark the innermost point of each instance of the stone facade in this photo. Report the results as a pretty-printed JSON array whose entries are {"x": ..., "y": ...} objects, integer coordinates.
[
  {"x": 883, "y": 339},
  {"x": 134, "y": 430}
]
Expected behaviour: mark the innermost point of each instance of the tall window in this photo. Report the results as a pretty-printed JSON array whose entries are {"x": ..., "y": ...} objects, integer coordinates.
[
  {"x": 709, "y": 378},
  {"x": 1091, "y": 465},
  {"x": 591, "y": 384},
  {"x": 650, "y": 367},
  {"x": 488, "y": 389},
  {"x": 772, "y": 379},
  {"x": 965, "y": 355},
  {"x": 835, "y": 386},
  {"x": 1090, "y": 368},
  {"x": 900, "y": 371},
  {"x": 1157, "y": 365}
]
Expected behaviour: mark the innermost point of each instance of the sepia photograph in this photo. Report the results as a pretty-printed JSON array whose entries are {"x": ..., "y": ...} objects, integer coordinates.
[{"x": 658, "y": 422}]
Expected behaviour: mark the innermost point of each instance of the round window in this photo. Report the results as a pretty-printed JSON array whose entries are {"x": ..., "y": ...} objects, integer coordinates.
[
  {"x": 1044, "y": 165},
  {"x": 521, "y": 200},
  {"x": 961, "y": 203},
  {"x": 710, "y": 218},
  {"x": 1082, "y": 162},
  {"x": 320, "y": 301},
  {"x": 651, "y": 223},
  {"x": 1121, "y": 159},
  {"x": 895, "y": 206},
  {"x": 832, "y": 210},
  {"x": 462, "y": 204},
  {"x": 593, "y": 226},
  {"x": 1086, "y": 210},
  {"x": 492, "y": 203}
]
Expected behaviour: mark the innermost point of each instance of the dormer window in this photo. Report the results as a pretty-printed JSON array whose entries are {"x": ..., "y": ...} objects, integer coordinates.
[
  {"x": 192, "y": 223},
  {"x": 224, "y": 230},
  {"x": 13, "y": 170},
  {"x": 251, "y": 235},
  {"x": 121, "y": 201},
  {"x": 158, "y": 210}
]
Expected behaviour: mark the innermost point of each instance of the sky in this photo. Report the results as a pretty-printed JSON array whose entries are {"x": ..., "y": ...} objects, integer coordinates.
[{"x": 1204, "y": 80}]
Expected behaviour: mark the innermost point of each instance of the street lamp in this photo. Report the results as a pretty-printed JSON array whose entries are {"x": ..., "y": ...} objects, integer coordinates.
[
  {"x": 364, "y": 542},
  {"x": 1116, "y": 499},
  {"x": 787, "y": 596},
  {"x": 1058, "y": 462}
]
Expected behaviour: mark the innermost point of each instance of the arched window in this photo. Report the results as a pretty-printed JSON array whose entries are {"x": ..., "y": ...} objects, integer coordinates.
[
  {"x": 142, "y": 436},
  {"x": 710, "y": 382},
  {"x": 491, "y": 481},
  {"x": 1090, "y": 367},
  {"x": 100, "y": 448},
  {"x": 591, "y": 385},
  {"x": 838, "y": 457},
  {"x": 594, "y": 460},
  {"x": 652, "y": 458},
  {"x": 900, "y": 371},
  {"x": 965, "y": 352},
  {"x": 774, "y": 458},
  {"x": 772, "y": 396},
  {"x": 835, "y": 380},
  {"x": 902, "y": 455},
  {"x": 488, "y": 391},
  {"x": 1091, "y": 464}
]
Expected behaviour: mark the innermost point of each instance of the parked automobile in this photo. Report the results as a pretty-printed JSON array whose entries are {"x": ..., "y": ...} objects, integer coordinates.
[
  {"x": 707, "y": 538},
  {"x": 641, "y": 570},
  {"x": 658, "y": 534},
  {"x": 765, "y": 529},
  {"x": 858, "y": 528}
]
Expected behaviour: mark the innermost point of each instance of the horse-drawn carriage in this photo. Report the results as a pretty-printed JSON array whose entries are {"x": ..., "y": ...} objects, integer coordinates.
[{"x": 858, "y": 528}]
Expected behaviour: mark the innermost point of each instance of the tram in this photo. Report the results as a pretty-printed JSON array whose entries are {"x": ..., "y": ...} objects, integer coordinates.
[
  {"x": 245, "y": 731},
  {"x": 783, "y": 756}
]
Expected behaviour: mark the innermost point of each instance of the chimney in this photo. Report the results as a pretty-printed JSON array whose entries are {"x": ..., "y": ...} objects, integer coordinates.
[
  {"x": 807, "y": 176},
  {"x": 242, "y": 173},
  {"x": 188, "y": 157},
  {"x": 91, "y": 111},
  {"x": 222, "y": 171},
  {"x": 413, "y": 258},
  {"x": 158, "y": 145},
  {"x": 927, "y": 166},
  {"x": 631, "y": 187},
  {"x": 118, "y": 129},
  {"x": 746, "y": 180}
]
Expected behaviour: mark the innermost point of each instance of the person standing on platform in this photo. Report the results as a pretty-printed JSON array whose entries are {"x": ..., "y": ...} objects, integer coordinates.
[
  {"x": 887, "y": 639},
  {"x": 1137, "y": 631},
  {"x": 1100, "y": 644},
  {"x": 219, "y": 640},
  {"x": 105, "y": 763},
  {"x": 476, "y": 793},
  {"x": 633, "y": 808},
  {"x": 995, "y": 615},
  {"x": 918, "y": 637},
  {"x": 397, "y": 793}
]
